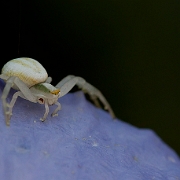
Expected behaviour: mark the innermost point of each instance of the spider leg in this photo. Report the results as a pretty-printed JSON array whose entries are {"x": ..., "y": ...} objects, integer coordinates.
[
  {"x": 48, "y": 80},
  {"x": 5, "y": 93},
  {"x": 46, "y": 112},
  {"x": 64, "y": 80},
  {"x": 9, "y": 107},
  {"x": 66, "y": 84},
  {"x": 56, "y": 110},
  {"x": 23, "y": 92}
]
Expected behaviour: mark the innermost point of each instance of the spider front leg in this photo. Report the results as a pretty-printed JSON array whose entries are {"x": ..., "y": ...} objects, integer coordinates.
[
  {"x": 70, "y": 81},
  {"x": 56, "y": 110},
  {"x": 24, "y": 93},
  {"x": 8, "y": 107},
  {"x": 46, "y": 112}
]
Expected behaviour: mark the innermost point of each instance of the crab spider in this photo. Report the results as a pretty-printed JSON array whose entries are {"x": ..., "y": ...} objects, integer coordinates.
[{"x": 30, "y": 78}]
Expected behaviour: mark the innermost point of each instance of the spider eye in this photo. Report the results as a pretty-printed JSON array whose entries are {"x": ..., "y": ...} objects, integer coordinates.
[{"x": 41, "y": 101}]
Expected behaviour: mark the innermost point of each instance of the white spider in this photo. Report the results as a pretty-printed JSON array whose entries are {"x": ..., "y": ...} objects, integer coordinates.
[{"x": 31, "y": 80}]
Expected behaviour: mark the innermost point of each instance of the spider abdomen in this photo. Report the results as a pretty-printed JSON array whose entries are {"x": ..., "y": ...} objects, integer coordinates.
[{"x": 30, "y": 71}]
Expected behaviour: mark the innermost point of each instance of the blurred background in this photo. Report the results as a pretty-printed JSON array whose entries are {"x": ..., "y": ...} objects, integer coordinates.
[{"x": 130, "y": 50}]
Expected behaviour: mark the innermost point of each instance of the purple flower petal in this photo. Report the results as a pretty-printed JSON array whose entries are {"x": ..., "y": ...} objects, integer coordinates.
[{"x": 82, "y": 143}]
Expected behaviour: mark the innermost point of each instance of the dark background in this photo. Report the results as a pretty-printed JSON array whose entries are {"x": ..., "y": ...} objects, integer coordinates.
[{"x": 130, "y": 50}]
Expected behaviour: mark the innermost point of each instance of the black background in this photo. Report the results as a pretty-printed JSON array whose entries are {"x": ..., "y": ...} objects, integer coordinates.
[{"x": 130, "y": 50}]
